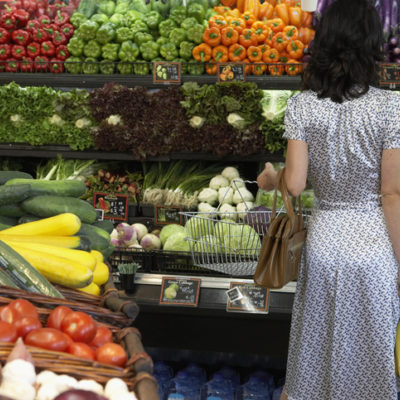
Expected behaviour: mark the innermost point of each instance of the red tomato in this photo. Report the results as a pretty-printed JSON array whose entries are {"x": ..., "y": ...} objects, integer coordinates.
[
  {"x": 57, "y": 315},
  {"x": 69, "y": 340},
  {"x": 80, "y": 326},
  {"x": 8, "y": 332},
  {"x": 26, "y": 324},
  {"x": 8, "y": 314},
  {"x": 111, "y": 353},
  {"x": 25, "y": 308},
  {"x": 82, "y": 350},
  {"x": 103, "y": 336},
  {"x": 47, "y": 338}
]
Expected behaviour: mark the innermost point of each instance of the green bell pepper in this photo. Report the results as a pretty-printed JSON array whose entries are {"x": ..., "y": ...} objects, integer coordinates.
[
  {"x": 128, "y": 51},
  {"x": 73, "y": 65},
  {"x": 195, "y": 10},
  {"x": 169, "y": 51},
  {"x": 106, "y": 7},
  {"x": 90, "y": 66},
  {"x": 107, "y": 67},
  {"x": 195, "y": 67},
  {"x": 132, "y": 16},
  {"x": 141, "y": 68},
  {"x": 177, "y": 36},
  {"x": 118, "y": 20},
  {"x": 185, "y": 50},
  {"x": 161, "y": 6},
  {"x": 75, "y": 46},
  {"x": 176, "y": 3},
  {"x": 195, "y": 34},
  {"x": 99, "y": 18},
  {"x": 143, "y": 37},
  {"x": 213, "y": 3},
  {"x": 162, "y": 40},
  {"x": 88, "y": 30},
  {"x": 142, "y": 6},
  {"x": 178, "y": 14},
  {"x": 187, "y": 23},
  {"x": 203, "y": 3},
  {"x": 124, "y": 68},
  {"x": 124, "y": 34},
  {"x": 149, "y": 50},
  {"x": 152, "y": 19},
  {"x": 122, "y": 7},
  {"x": 166, "y": 27},
  {"x": 184, "y": 67},
  {"x": 106, "y": 33},
  {"x": 77, "y": 19},
  {"x": 110, "y": 51},
  {"x": 92, "y": 49},
  {"x": 139, "y": 26},
  {"x": 210, "y": 13}
]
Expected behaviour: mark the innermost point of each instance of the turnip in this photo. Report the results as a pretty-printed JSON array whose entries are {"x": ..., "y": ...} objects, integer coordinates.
[
  {"x": 126, "y": 234},
  {"x": 150, "y": 242},
  {"x": 140, "y": 230}
]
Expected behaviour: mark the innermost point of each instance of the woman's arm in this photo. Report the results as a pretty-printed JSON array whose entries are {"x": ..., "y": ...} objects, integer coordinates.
[{"x": 295, "y": 171}]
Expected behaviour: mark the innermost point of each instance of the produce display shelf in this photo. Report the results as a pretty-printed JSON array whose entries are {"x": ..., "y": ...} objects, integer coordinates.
[
  {"x": 25, "y": 150},
  {"x": 95, "y": 81}
]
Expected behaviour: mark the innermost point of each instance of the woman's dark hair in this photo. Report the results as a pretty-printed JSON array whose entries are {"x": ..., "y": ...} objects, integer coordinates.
[{"x": 344, "y": 54}]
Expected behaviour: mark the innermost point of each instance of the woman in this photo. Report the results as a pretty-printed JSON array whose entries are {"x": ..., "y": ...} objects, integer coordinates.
[{"x": 344, "y": 133}]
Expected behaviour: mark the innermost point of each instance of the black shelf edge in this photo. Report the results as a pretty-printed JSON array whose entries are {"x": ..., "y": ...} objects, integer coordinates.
[
  {"x": 25, "y": 150},
  {"x": 95, "y": 81}
]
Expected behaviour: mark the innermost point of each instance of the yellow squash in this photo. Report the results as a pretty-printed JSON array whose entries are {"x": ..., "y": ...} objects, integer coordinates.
[
  {"x": 101, "y": 273},
  {"x": 92, "y": 288},
  {"x": 69, "y": 242}
]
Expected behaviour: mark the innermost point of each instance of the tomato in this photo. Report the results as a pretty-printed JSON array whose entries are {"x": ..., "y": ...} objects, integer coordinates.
[
  {"x": 111, "y": 353},
  {"x": 8, "y": 332},
  {"x": 47, "y": 338},
  {"x": 26, "y": 324},
  {"x": 80, "y": 326},
  {"x": 69, "y": 340},
  {"x": 8, "y": 314},
  {"x": 103, "y": 336},
  {"x": 57, "y": 315},
  {"x": 82, "y": 350},
  {"x": 25, "y": 308}
]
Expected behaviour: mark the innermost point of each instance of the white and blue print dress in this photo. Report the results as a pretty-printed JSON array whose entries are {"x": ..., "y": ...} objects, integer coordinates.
[{"x": 346, "y": 306}]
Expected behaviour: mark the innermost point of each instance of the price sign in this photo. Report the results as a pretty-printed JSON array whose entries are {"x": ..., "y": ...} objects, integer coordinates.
[
  {"x": 167, "y": 72},
  {"x": 228, "y": 72},
  {"x": 389, "y": 76},
  {"x": 114, "y": 206},
  {"x": 180, "y": 292},
  {"x": 247, "y": 297},
  {"x": 168, "y": 215}
]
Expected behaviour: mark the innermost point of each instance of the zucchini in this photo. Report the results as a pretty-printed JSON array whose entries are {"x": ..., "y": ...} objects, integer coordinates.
[
  {"x": 6, "y": 280},
  {"x": 8, "y": 175},
  {"x": 98, "y": 239},
  {"x": 12, "y": 221},
  {"x": 11, "y": 210},
  {"x": 24, "y": 274},
  {"x": 48, "y": 206},
  {"x": 106, "y": 225},
  {"x": 62, "y": 225},
  {"x": 14, "y": 194},
  {"x": 27, "y": 218},
  {"x": 4, "y": 226},
  {"x": 107, "y": 251},
  {"x": 71, "y": 188}
]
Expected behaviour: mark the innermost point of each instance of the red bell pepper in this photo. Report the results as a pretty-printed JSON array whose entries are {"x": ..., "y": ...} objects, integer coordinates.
[
  {"x": 48, "y": 49},
  {"x": 26, "y": 64},
  {"x": 21, "y": 37},
  {"x": 32, "y": 25},
  {"x": 61, "y": 18},
  {"x": 29, "y": 5},
  {"x": 41, "y": 63},
  {"x": 40, "y": 10},
  {"x": 39, "y": 35},
  {"x": 56, "y": 66},
  {"x": 4, "y": 36},
  {"x": 21, "y": 16},
  {"x": 12, "y": 65},
  {"x": 8, "y": 21},
  {"x": 44, "y": 20},
  {"x": 14, "y": 4},
  {"x": 62, "y": 52},
  {"x": 2, "y": 66},
  {"x": 59, "y": 38},
  {"x": 18, "y": 51},
  {"x": 67, "y": 30},
  {"x": 50, "y": 28},
  {"x": 33, "y": 49},
  {"x": 5, "y": 51}
]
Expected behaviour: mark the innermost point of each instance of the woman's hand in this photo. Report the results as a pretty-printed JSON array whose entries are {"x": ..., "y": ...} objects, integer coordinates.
[{"x": 267, "y": 179}]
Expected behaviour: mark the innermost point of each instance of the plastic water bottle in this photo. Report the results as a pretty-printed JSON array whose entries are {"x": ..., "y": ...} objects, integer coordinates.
[
  {"x": 183, "y": 387},
  {"x": 163, "y": 373},
  {"x": 198, "y": 373},
  {"x": 254, "y": 389},
  {"x": 277, "y": 393},
  {"x": 218, "y": 388},
  {"x": 230, "y": 375}
]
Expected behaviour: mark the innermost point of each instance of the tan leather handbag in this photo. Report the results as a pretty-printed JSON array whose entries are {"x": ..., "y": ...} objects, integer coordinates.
[{"x": 282, "y": 245}]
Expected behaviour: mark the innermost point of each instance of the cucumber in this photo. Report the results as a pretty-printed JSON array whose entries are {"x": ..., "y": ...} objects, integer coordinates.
[
  {"x": 11, "y": 210},
  {"x": 26, "y": 276},
  {"x": 14, "y": 194},
  {"x": 70, "y": 188},
  {"x": 95, "y": 236},
  {"x": 108, "y": 251},
  {"x": 96, "y": 230},
  {"x": 48, "y": 206},
  {"x": 12, "y": 221},
  {"x": 6, "y": 280},
  {"x": 27, "y": 218},
  {"x": 106, "y": 225},
  {"x": 8, "y": 175},
  {"x": 4, "y": 226}
]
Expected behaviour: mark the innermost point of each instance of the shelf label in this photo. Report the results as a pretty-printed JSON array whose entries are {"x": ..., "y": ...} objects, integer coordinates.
[
  {"x": 180, "y": 292},
  {"x": 389, "y": 76},
  {"x": 229, "y": 72},
  {"x": 247, "y": 297},
  {"x": 168, "y": 215},
  {"x": 167, "y": 72},
  {"x": 114, "y": 206}
]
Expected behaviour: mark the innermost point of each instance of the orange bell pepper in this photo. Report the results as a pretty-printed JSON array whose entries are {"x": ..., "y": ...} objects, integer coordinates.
[
  {"x": 247, "y": 68},
  {"x": 268, "y": 39},
  {"x": 282, "y": 11},
  {"x": 212, "y": 36},
  {"x": 258, "y": 69},
  {"x": 263, "y": 48},
  {"x": 276, "y": 69},
  {"x": 221, "y": 10},
  {"x": 235, "y": 13},
  {"x": 217, "y": 21},
  {"x": 211, "y": 68},
  {"x": 248, "y": 38},
  {"x": 202, "y": 52},
  {"x": 271, "y": 56},
  {"x": 236, "y": 23},
  {"x": 276, "y": 24},
  {"x": 240, "y": 5},
  {"x": 284, "y": 56},
  {"x": 306, "y": 19},
  {"x": 266, "y": 11},
  {"x": 293, "y": 67},
  {"x": 291, "y": 32},
  {"x": 279, "y": 41},
  {"x": 254, "y": 54},
  {"x": 295, "y": 16},
  {"x": 229, "y": 36},
  {"x": 220, "y": 54},
  {"x": 236, "y": 52},
  {"x": 272, "y": 2},
  {"x": 306, "y": 35},
  {"x": 249, "y": 18},
  {"x": 295, "y": 49}
]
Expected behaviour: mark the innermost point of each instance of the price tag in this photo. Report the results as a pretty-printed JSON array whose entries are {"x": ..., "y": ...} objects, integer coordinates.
[
  {"x": 114, "y": 206},
  {"x": 389, "y": 76},
  {"x": 228, "y": 72},
  {"x": 99, "y": 214},
  {"x": 247, "y": 297},
  {"x": 168, "y": 215},
  {"x": 180, "y": 292},
  {"x": 167, "y": 72}
]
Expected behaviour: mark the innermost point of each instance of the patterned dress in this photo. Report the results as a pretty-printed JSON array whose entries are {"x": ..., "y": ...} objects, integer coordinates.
[{"x": 346, "y": 306}]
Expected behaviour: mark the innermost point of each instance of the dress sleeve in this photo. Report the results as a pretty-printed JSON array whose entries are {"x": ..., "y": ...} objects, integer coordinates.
[
  {"x": 391, "y": 139},
  {"x": 293, "y": 121}
]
